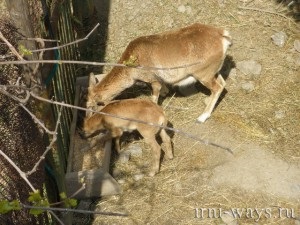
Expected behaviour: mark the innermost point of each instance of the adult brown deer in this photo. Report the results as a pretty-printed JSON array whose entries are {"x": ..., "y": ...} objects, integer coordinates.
[
  {"x": 193, "y": 53},
  {"x": 133, "y": 109}
]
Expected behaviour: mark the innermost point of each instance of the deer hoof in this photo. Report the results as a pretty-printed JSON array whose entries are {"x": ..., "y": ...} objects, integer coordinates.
[{"x": 203, "y": 117}]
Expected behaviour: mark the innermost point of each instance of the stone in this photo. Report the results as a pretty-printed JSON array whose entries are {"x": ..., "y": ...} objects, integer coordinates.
[
  {"x": 124, "y": 156},
  {"x": 297, "y": 45},
  {"x": 297, "y": 61},
  {"x": 135, "y": 150},
  {"x": 228, "y": 218},
  {"x": 188, "y": 9},
  {"x": 181, "y": 9},
  {"x": 249, "y": 67},
  {"x": 121, "y": 181},
  {"x": 248, "y": 86},
  {"x": 279, "y": 114},
  {"x": 138, "y": 177},
  {"x": 233, "y": 73},
  {"x": 279, "y": 38}
]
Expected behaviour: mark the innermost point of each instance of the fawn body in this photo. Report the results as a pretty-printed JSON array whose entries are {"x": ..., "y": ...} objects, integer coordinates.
[{"x": 134, "y": 109}]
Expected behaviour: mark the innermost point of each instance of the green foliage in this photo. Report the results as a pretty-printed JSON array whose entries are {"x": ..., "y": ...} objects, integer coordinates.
[
  {"x": 36, "y": 199},
  {"x": 68, "y": 202},
  {"x": 24, "y": 51},
  {"x": 7, "y": 206},
  {"x": 132, "y": 61}
]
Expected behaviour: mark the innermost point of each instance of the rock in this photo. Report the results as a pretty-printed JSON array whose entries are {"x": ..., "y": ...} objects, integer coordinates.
[
  {"x": 221, "y": 3},
  {"x": 279, "y": 38},
  {"x": 121, "y": 181},
  {"x": 232, "y": 72},
  {"x": 248, "y": 86},
  {"x": 135, "y": 149},
  {"x": 297, "y": 45},
  {"x": 184, "y": 9},
  {"x": 228, "y": 218},
  {"x": 297, "y": 61},
  {"x": 188, "y": 9},
  {"x": 181, "y": 9},
  {"x": 293, "y": 59},
  {"x": 249, "y": 67},
  {"x": 116, "y": 172},
  {"x": 279, "y": 114},
  {"x": 124, "y": 156},
  {"x": 138, "y": 177},
  {"x": 168, "y": 21}
]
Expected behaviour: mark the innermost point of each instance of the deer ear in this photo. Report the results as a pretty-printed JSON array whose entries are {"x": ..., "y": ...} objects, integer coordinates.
[{"x": 92, "y": 80}]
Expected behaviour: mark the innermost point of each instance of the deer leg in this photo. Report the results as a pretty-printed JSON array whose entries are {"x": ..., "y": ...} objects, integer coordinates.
[
  {"x": 149, "y": 137},
  {"x": 116, "y": 133},
  {"x": 156, "y": 87},
  {"x": 168, "y": 145},
  {"x": 164, "y": 90},
  {"x": 216, "y": 86},
  {"x": 156, "y": 150}
]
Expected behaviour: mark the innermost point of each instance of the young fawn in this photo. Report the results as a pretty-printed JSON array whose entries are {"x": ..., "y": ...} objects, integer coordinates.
[
  {"x": 193, "y": 53},
  {"x": 136, "y": 109}
]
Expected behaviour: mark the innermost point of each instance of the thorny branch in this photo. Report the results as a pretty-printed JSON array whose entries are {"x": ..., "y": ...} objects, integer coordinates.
[
  {"x": 268, "y": 11},
  {"x": 196, "y": 138},
  {"x": 70, "y": 43},
  {"x": 53, "y": 133},
  {"x": 22, "y": 174},
  {"x": 99, "y": 64},
  {"x": 11, "y": 47},
  {"x": 75, "y": 210},
  {"x": 206, "y": 142}
]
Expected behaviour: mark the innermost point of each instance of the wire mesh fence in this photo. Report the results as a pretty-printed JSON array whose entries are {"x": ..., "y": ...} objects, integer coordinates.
[{"x": 20, "y": 138}]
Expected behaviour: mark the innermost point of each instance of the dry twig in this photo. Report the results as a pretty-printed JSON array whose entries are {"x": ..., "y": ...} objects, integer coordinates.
[
  {"x": 268, "y": 11},
  {"x": 12, "y": 48}
]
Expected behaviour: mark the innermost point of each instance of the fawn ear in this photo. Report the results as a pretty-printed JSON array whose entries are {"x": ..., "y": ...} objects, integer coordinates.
[{"x": 92, "y": 80}]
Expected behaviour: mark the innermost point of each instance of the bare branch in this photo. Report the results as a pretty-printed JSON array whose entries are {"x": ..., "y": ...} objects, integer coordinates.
[
  {"x": 70, "y": 43},
  {"x": 22, "y": 174},
  {"x": 51, "y": 101},
  {"x": 23, "y": 101},
  {"x": 72, "y": 196},
  {"x": 74, "y": 210},
  {"x": 53, "y": 133},
  {"x": 12, "y": 48},
  {"x": 37, "y": 120},
  {"x": 42, "y": 45},
  {"x": 206, "y": 142},
  {"x": 268, "y": 11},
  {"x": 99, "y": 64},
  {"x": 56, "y": 217},
  {"x": 78, "y": 191},
  {"x": 45, "y": 40}
]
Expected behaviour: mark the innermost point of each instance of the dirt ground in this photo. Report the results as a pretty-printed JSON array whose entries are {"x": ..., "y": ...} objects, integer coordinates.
[{"x": 260, "y": 125}]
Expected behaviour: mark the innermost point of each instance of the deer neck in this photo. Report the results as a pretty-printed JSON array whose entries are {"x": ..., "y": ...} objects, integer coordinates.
[{"x": 116, "y": 81}]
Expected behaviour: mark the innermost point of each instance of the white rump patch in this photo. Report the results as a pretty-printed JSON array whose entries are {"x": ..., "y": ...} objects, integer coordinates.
[
  {"x": 226, "y": 41},
  {"x": 187, "y": 81}
]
